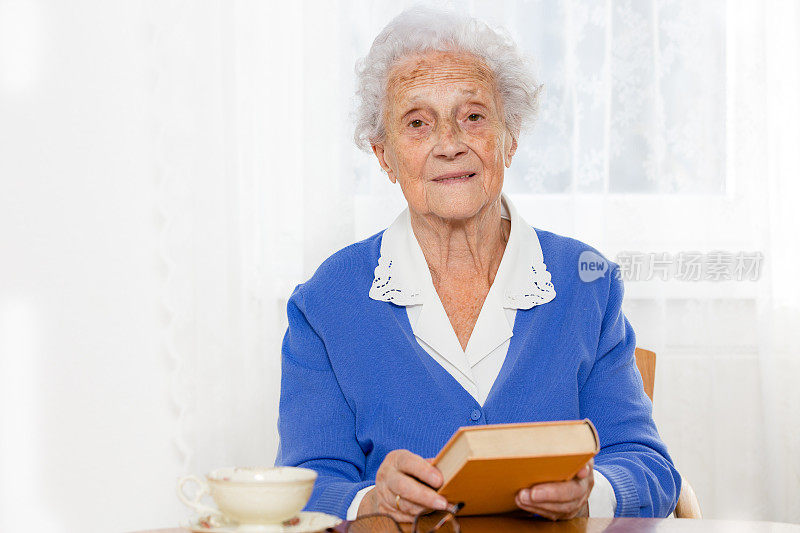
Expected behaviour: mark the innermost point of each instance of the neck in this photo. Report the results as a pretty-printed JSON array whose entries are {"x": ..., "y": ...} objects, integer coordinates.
[{"x": 463, "y": 249}]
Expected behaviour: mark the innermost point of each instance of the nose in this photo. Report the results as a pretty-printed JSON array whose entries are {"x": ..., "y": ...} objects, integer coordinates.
[{"x": 449, "y": 145}]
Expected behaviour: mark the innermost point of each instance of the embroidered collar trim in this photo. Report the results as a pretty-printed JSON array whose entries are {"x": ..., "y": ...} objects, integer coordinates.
[{"x": 401, "y": 265}]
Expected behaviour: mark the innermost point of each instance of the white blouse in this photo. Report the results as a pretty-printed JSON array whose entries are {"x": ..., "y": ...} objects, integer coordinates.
[{"x": 402, "y": 277}]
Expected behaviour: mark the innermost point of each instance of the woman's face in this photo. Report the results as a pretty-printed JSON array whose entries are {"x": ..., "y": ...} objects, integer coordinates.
[{"x": 444, "y": 118}]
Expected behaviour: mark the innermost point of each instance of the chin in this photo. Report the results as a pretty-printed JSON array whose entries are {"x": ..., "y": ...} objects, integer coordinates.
[{"x": 458, "y": 206}]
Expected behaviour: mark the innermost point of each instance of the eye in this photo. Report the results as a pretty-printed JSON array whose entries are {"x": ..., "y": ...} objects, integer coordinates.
[
  {"x": 474, "y": 117},
  {"x": 417, "y": 123}
]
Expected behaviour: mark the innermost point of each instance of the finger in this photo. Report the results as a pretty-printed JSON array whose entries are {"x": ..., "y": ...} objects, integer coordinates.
[
  {"x": 414, "y": 465},
  {"x": 409, "y": 507},
  {"x": 415, "y": 492},
  {"x": 535, "y": 510},
  {"x": 560, "y": 509},
  {"x": 560, "y": 492},
  {"x": 553, "y": 511},
  {"x": 586, "y": 470},
  {"x": 386, "y": 505},
  {"x": 399, "y": 516},
  {"x": 544, "y": 513},
  {"x": 402, "y": 504}
]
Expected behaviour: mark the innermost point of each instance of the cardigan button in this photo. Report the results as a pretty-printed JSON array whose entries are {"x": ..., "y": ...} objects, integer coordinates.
[{"x": 476, "y": 415}]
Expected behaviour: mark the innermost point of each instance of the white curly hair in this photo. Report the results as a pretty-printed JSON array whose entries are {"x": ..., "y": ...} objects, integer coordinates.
[{"x": 420, "y": 29}]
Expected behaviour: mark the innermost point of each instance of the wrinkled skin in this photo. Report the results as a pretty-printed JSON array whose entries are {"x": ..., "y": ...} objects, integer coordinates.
[{"x": 444, "y": 115}]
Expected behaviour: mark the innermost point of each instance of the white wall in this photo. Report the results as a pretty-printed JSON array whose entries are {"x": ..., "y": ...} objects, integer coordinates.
[{"x": 87, "y": 419}]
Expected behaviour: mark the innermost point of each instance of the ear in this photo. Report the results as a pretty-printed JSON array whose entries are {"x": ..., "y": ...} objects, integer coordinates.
[
  {"x": 380, "y": 152},
  {"x": 511, "y": 150}
]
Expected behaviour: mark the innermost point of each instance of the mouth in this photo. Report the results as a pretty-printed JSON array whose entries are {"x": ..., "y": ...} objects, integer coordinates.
[{"x": 452, "y": 178}]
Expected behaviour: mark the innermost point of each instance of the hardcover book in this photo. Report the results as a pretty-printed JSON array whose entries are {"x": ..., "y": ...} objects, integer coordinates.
[{"x": 485, "y": 466}]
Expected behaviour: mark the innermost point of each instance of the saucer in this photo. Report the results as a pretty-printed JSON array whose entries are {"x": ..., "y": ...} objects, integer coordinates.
[{"x": 309, "y": 522}]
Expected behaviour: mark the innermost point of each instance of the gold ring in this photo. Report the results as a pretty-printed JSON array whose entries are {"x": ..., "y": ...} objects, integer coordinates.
[{"x": 397, "y": 501}]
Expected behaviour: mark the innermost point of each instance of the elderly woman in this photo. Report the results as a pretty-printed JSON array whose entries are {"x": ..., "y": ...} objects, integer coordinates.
[{"x": 459, "y": 313}]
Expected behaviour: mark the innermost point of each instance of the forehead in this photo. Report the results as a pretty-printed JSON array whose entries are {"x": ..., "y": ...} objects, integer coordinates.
[{"x": 419, "y": 75}]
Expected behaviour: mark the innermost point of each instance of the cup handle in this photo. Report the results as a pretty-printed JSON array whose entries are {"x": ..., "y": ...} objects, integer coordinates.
[{"x": 194, "y": 502}]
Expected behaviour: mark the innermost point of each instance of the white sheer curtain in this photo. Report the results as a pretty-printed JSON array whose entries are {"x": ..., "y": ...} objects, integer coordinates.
[
  {"x": 671, "y": 127},
  {"x": 666, "y": 127},
  {"x": 225, "y": 128}
]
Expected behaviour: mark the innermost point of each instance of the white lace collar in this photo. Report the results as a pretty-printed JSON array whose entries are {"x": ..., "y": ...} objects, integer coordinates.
[{"x": 402, "y": 272}]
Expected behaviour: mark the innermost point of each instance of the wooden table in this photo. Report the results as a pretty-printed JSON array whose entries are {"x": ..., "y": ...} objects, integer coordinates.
[{"x": 499, "y": 524}]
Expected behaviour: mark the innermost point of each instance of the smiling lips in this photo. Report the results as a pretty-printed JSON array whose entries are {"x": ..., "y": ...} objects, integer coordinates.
[{"x": 455, "y": 176}]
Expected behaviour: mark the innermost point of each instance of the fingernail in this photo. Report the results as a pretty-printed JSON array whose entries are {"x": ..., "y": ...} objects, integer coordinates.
[
  {"x": 441, "y": 504},
  {"x": 525, "y": 496},
  {"x": 535, "y": 495}
]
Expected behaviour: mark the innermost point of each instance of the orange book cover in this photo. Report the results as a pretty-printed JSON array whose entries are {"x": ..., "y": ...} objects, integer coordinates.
[{"x": 485, "y": 466}]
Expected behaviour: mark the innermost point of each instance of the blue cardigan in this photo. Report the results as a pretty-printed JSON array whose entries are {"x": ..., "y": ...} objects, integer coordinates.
[{"x": 356, "y": 385}]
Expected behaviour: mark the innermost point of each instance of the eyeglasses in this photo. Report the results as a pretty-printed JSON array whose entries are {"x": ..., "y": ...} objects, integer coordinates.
[{"x": 429, "y": 521}]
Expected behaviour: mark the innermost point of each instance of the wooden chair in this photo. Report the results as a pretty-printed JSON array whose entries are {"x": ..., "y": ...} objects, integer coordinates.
[{"x": 688, "y": 506}]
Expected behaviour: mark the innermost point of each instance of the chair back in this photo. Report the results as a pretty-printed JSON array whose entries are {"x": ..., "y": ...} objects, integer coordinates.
[
  {"x": 688, "y": 506},
  {"x": 646, "y": 362}
]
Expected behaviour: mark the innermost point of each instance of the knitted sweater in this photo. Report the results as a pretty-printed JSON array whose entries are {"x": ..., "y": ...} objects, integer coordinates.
[{"x": 356, "y": 384}]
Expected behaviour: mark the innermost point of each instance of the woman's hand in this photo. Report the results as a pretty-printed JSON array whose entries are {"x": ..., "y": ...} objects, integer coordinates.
[
  {"x": 402, "y": 472},
  {"x": 560, "y": 500}
]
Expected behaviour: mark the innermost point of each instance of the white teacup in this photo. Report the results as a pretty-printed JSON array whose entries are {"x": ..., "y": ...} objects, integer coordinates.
[{"x": 252, "y": 496}]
